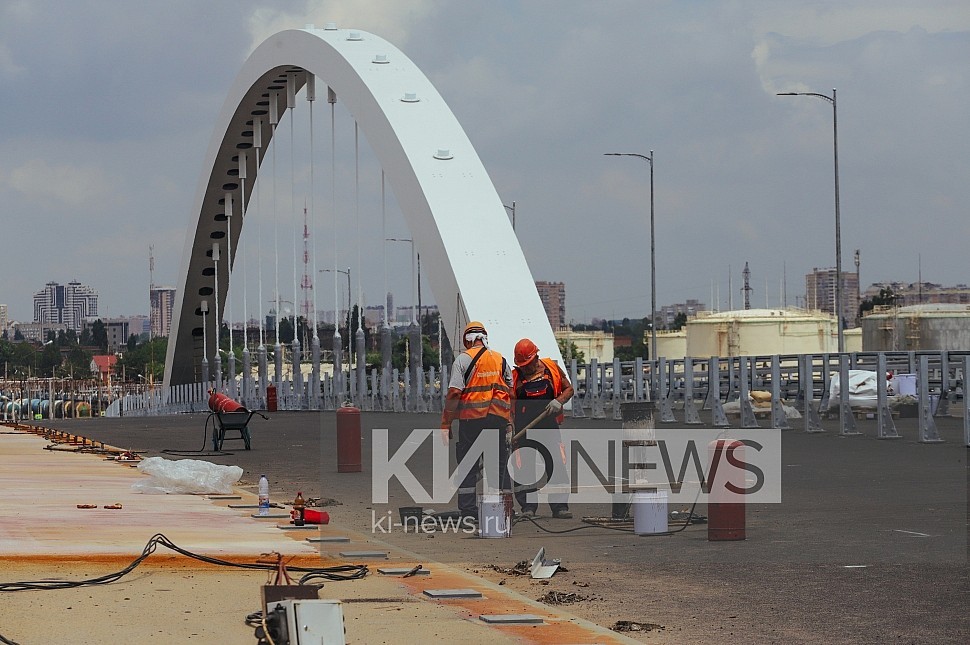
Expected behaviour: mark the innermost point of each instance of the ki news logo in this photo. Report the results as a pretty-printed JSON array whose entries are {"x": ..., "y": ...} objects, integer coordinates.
[
  {"x": 587, "y": 466},
  {"x": 384, "y": 524}
]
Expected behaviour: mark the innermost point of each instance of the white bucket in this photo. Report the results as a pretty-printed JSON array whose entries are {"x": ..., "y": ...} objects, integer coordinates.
[
  {"x": 493, "y": 522},
  {"x": 906, "y": 384},
  {"x": 649, "y": 512}
]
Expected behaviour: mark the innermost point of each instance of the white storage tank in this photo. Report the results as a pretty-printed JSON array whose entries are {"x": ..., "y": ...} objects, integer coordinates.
[
  {"x": 934, "y": 327},
  {"x": 749, "y": 332}
]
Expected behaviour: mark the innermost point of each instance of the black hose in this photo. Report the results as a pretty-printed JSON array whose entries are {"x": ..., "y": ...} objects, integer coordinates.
[
  {"x": 336, "y": 573},
  {"x": 690, "y": 516},
  {"x": 201, "y": 452}
]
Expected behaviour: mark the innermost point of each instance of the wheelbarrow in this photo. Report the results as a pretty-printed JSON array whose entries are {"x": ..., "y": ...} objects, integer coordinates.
[{"x": 225, "y": 422}]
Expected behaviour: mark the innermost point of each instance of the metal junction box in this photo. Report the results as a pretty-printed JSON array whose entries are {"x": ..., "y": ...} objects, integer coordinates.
[{"x": 313, "y": 622}]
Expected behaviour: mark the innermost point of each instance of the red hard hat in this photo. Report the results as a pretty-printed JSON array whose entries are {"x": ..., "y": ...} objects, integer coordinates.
[{"x": 525, "y": 351}]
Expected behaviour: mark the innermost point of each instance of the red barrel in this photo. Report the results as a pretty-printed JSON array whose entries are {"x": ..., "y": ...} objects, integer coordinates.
[
  {"x": 219, "y": 402},
  {"x": 725, "y": 520},
  {"x": 348, "y": 440},
  {"x": 271, "y": 397}
]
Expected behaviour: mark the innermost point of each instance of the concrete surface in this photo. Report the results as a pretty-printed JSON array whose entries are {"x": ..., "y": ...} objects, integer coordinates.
[
  {"x": 868, "y": 546},
  {"x": 172, "y": 598}
]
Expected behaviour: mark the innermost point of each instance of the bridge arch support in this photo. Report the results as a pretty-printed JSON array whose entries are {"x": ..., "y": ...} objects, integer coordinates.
[{"x": 457, "y": 220}]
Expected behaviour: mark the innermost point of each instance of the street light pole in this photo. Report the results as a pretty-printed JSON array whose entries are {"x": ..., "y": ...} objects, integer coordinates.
[
  {"x": 838, "y": 225},
  {"x": 349, "y": 303},
  {"x": 204, "y": 309},
  {"x": 414, "y": 275},
  {"x": 653, "y": 253},
  {"x": 511, "y": 209}
]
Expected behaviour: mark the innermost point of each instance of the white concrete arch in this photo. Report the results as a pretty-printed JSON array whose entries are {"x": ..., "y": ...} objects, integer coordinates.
[{"x": 476, "y": 267}]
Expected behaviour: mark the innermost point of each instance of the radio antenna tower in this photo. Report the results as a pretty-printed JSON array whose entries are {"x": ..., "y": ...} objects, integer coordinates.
[
  {"x": 306, "y": 285},
  {"x": 747, "y": 286}
]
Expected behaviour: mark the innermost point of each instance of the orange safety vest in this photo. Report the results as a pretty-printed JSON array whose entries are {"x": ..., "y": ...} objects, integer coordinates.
[
  {"x": 485, "y": 390},
  {"x": 553, "y": 368}
]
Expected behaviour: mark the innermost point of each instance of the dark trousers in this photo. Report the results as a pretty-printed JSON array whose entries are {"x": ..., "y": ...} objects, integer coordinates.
[
  {"x": 529, "y": 471},
  {"x": 468, "y": 432}
]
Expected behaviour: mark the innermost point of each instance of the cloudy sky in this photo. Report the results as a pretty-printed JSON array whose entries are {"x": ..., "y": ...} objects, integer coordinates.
[{"x": 107, "y": 109}]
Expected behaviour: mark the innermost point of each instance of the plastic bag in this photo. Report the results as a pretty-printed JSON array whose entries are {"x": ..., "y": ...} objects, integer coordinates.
[{"x": 186, "y": 477}]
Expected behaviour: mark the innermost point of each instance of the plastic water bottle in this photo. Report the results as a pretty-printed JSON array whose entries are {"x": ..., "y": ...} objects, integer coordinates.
[{"x": 263, "y": 495}]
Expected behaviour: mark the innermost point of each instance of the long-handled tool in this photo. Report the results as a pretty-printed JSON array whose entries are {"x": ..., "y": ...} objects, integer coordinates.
[{"x": 518, "y": 435}]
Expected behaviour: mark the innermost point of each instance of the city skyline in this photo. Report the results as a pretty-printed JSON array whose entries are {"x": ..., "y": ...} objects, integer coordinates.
[
  {"x": 741, "y": 174},
  {"x": 817, "y": 296}
]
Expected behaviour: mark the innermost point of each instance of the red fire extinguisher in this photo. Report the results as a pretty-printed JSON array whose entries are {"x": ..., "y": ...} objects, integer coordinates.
[{"x": 271, "y": 397}]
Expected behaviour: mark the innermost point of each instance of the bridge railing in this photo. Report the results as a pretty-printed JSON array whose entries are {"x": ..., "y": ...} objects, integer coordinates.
[{"x": 802, "y": 381}]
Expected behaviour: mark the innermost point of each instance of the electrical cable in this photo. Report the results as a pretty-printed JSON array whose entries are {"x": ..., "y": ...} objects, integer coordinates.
[
  {"x": 690, "y": 516},
  {"x": 7, "y": 641},
  {"x": 336, "y": 573},
  {"x": 201, "y": 452},
  {"x": 576, "y": 528}
]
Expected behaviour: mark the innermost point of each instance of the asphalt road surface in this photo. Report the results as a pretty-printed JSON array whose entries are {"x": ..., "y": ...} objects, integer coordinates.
[{"x": 869, "y": 543}]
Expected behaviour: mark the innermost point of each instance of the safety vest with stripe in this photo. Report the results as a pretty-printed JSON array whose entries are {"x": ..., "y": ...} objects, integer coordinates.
[
  {"x": 552, "y": 368},
  {"x": 486, "y": 391}
]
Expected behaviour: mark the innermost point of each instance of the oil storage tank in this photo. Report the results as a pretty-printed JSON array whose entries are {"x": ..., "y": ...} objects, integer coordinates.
[
  {"x": 751, "y": 332},
  {"x": 933, "y": 326}
]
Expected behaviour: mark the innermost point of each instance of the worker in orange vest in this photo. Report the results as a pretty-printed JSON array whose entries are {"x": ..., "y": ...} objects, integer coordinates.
[
  {"x": 479, "y": 396},
  {"x": 539, "y": 388}
]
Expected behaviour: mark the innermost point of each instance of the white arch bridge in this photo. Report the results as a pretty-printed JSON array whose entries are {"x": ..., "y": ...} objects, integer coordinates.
[{"x": 458, "y": 223}]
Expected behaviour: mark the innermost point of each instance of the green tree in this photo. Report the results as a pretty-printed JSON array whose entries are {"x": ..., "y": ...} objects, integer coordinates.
[
  {"x": 146, "y": 359},
  {"x": 572, "y": 351},
  {"x": 49, "y": 359},
  {"x": 885, "y": 298},
  {"x": 78, "y": 362},
  {"x": 286, "y": 331},
  {"x": 99, "y": 335},
  {"x": 679, "y": 321},
  {"x": 401, "y": 347}
]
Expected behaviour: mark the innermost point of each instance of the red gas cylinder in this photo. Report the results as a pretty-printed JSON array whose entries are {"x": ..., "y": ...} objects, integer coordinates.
[
  {"x": 271, "y": 398},
  {"x": 348, "y": 440},
  {"x": 725, "y": 519},
  {"x": 219, "y": 402}
]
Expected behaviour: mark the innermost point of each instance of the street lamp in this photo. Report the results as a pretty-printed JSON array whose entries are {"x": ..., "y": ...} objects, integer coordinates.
[
  {"x": 653, "y": 253},
  {"x": 417, "y": 278},
  {"x": 511, "y": 209},
  {"x": 204, "y": 310},
  {"x": 838, "y": 226},
  {"x": 215, "y": 263},
  {"x": 347, "y": 272}
]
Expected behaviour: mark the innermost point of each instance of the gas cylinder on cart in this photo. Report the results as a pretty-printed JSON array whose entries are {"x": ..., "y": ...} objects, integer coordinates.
[
  {"x": 219, "y": 402},
  {"x": 348, "y": 439},
  {"x": 725, "y": 509}
]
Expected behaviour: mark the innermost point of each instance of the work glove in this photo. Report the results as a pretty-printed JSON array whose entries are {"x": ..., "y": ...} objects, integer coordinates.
[{"x": 554, "y": 408}]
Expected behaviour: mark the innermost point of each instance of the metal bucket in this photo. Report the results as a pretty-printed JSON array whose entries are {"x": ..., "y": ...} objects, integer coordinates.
[{"x": 494, "y": 519}]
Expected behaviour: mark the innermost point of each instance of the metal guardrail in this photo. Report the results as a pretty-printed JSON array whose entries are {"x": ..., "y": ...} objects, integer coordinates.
[{"x": 800, "y": 380}]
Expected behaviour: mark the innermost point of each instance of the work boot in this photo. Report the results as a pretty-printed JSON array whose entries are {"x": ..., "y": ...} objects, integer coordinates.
[
  {"x": 562, "y": 514},
  {"x": 527, "y": 512}
]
